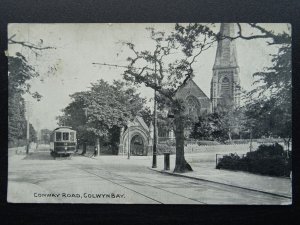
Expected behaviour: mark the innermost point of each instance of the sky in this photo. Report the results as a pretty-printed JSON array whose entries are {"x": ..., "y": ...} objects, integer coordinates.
[{"x": 78, "y": 46}]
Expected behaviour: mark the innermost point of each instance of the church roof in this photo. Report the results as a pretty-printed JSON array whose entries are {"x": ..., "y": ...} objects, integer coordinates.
[
  {"x": 200, "y": 90},
  {"x": 188, "y": 85},
  {"x": 226, "y": 50}
]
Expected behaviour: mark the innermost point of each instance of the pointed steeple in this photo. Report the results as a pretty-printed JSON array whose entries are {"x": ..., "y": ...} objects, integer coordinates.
[
  {"x": 226, "y": 50},
  {"x": 225, "y": 83}
]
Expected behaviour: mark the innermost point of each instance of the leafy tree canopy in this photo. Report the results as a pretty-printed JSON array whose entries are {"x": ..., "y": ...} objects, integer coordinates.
[
  {"x": 20, "y": 72},
  {"x": 269, "y": 105},
  {"x": 101, "y": 109}
]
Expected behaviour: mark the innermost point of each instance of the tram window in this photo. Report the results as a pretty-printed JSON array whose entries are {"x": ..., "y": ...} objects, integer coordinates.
[
  {"x": 71, "y": 136},
  {"x": 65, "y": 136},
  {"x": 58, "y": 136}
]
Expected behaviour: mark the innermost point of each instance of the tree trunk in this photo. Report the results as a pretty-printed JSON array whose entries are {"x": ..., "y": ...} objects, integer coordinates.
[
  {"x": 83, "y": 148},
  {"x": 181, "y": 165},
  {"x": 287, "y": 142},
  {"x": 229, "y": 136},
  {"x": 98, "y": 146},
  {"x": 27, "y": 147}
]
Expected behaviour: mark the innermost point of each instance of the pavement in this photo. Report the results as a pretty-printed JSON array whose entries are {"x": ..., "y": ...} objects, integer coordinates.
[{"x": 279, "y": 186}]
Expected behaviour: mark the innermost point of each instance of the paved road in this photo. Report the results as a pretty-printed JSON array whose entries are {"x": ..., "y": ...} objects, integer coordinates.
[{"x": 114, "y": 179}]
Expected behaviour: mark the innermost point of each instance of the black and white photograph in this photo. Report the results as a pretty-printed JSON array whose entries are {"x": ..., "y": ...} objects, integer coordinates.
[{"x": 150, "y": 113}]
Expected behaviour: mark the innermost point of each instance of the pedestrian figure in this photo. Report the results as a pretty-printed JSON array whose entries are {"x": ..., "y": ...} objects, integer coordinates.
[{"x": 95, "y": 151}]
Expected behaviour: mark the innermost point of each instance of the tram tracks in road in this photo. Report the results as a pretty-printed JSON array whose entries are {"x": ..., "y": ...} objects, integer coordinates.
[
  {"x": 136, "y": 182},
  {"x": 162, "y": 189},
  {"x": 104, "y": 178}
]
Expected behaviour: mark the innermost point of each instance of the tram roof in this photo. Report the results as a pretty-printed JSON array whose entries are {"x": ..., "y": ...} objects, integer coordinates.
[{"x": 63, "y": 128}]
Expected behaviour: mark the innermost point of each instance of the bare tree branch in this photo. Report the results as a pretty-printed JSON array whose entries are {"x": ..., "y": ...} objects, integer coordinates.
[
  {"x": 27, "y": 44},
  {"x": 115, "y": 65},
  {"x": 277, "y": 38},
  {"x": 151, "y": 84}
]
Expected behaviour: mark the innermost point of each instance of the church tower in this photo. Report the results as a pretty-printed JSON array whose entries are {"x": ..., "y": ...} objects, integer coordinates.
[{"x": 225, "y": 83}]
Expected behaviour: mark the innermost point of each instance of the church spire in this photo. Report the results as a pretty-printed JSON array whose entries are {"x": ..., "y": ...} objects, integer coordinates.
[
  {"x": 226, "y": 50},
  {"x": 225, "y": 83}
]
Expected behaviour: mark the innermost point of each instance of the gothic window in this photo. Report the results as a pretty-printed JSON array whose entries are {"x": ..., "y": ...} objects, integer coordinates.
[
  {"x": 225, "y": 87},
  {"x": 193, "y": 106}
]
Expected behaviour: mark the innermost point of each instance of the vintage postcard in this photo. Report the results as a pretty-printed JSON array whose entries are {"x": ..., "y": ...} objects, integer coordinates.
[{"x": 136, "y": 113}]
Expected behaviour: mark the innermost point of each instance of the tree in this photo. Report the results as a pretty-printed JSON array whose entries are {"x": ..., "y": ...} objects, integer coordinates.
[
  {"x": 269, "y": 104},
  {"x": 20, "y": 72},
  {"x": 158, "y": 70},
  {"x": 16, "y": 118},
  {"x": 100, "y": 112},
  {"x": 218, "y": 126},
  {"x": 233, "y": 120},
  {"x": 19, "y": 69},
  {"x": 146, "y": 114},
  {"x": 33, "y": 134},
  {"x": 203, "y": 128},
  {"x": 271, "y": 38}
]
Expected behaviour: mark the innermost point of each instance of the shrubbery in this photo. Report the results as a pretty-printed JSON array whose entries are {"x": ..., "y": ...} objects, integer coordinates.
[{"x": 267, "y": 160}]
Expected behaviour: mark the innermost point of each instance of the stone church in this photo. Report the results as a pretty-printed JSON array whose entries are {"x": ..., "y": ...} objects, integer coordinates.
[
  {"x": 225, "y": 82},
  {"x": 224, "y": 92}
]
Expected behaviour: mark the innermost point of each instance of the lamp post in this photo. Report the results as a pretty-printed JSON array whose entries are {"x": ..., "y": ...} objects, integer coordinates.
[
  {"x": 84, "y": 144},
  {"x": 38, "y": 133},
  {"x": 154, "y": 162},
  {"x": 28, "y": 112},
  {"x": 251, "y": 140}
]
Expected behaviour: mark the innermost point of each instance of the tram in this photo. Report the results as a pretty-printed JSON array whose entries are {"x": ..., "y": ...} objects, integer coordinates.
[{"x": 63, "y": 141}]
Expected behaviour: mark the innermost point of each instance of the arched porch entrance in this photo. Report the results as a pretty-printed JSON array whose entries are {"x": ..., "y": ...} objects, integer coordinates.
[
  {"x": 137, "y": 145},
  {"x": 136, "y": 139}
]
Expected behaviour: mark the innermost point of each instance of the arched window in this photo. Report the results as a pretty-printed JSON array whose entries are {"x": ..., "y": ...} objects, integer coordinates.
[
  {"x": 193, "y": 106},
  {"x": 225, "y": 87}
]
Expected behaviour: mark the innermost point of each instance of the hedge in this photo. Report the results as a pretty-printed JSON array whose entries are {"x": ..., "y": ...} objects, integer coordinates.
[{"x": 266, "y": 160}]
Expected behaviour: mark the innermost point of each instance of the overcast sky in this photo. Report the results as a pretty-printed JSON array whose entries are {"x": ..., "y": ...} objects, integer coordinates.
[{"x": 79, "y": 45}]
